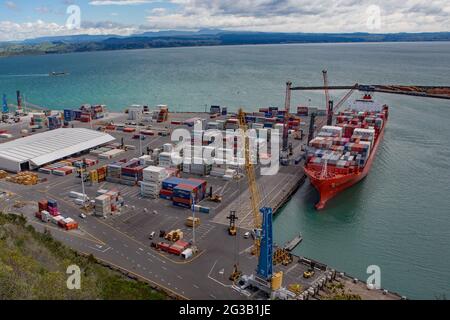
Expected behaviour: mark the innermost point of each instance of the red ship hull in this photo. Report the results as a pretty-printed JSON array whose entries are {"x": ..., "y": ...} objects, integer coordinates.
[{"x": 329, "y": 187}]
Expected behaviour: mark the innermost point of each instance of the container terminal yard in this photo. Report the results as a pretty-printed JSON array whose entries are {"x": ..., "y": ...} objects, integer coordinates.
[{"x": 101, "y": 183}]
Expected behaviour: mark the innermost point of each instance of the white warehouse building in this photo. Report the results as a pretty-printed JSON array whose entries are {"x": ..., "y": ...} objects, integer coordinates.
[{"x": 34, "y": 151}]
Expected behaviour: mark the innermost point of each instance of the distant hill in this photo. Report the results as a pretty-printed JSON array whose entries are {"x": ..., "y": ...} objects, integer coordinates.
[{"x": 206, "y": 37}]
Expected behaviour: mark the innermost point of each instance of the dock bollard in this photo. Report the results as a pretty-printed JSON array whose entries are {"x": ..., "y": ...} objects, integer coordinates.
[
  {"x": 355, "y": 280},
  {"x": 385, "y": 292},
  {"x": 341, "y": 274}
]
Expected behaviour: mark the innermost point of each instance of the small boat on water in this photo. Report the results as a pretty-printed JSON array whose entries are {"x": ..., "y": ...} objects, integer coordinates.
[
  {"x": 55, "y": 74},
  {"x": 291, "y": 245}
]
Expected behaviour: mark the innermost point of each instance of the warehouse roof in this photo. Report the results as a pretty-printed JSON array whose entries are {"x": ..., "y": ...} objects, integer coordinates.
[{"x": 50, "y": 146}]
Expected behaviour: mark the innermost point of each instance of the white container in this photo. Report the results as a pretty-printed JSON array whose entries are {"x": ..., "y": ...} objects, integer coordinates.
[
  {"x": 56, "y": 219},
  {"x": 187, "y": 254}
]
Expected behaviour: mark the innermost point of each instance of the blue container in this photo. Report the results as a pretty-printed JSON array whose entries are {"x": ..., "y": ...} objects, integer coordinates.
[
  {"x": 268, "y": 125},
  {"x": 181, "y": 205},
  {"x": 162, "y": 196},
  {"x": 77, "y": 114},
  {"x": 204, "y": 210},
  {"x": 224, "y": 111},
  {"x": 68, "y": 115},
  {"x": 52, "y": 203}
]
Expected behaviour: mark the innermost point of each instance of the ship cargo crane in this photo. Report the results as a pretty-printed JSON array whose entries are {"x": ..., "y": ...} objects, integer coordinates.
[{"x": 263, "y": 234}]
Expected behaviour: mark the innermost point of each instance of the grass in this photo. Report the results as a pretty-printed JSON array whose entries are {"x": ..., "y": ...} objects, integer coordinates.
[{"x": 33, "y": 267}]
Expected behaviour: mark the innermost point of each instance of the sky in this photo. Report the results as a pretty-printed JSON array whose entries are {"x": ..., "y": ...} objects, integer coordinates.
[{"x": 25, "y": 19}]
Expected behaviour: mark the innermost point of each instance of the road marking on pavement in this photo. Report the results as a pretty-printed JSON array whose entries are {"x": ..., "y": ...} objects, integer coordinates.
[{"x": 215, "y": 280}]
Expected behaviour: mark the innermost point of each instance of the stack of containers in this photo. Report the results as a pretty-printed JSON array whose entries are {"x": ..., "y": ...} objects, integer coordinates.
[
  {"x": 221, "y": 124},
  {"x": 54, "y": 122},
  {"x": 85, "y": 117},
  {"x": 146, "y": 160},
  {"x": 163, "y": 114},
  {"x": 116, "y": 201},
  {"x": 184, "y": 195},
  {"x": 232, "y": 124},
  {"x": 199, "y": 168},
  {"x": 215, "y": 109},
  {"x": 103, "y": 205},
  {"x": 52, "y": 208},
  {"x": 38, "y": 120},
  {"x": 131, "y": 172},
  {"x": 69, "y": 115},
  {"x": 114, "y": 172},
  {"x": 152, "y": 180},
  {"x": 165, "y": 159},
  {"x": 167, "y": 187}
]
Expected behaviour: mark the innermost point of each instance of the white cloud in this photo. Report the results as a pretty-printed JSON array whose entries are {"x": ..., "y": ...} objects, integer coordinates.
[
  {"x": 253, "y": 15},
  {"x": 305, "y": 15}
]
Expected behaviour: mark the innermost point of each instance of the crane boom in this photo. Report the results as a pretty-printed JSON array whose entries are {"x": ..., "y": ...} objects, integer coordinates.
[
  {"x": 255, "y": 198},
  {"x": 262, "y": 216},
  {"x": 345, "y": 98}
]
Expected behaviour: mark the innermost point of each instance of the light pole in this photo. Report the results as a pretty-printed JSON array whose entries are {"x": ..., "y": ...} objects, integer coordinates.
[
  {"x": 194, "y": 247},
  {"x": 82, "y": 183}
]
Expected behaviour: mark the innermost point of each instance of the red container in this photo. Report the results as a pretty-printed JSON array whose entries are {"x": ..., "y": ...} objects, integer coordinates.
[
  {"x": 165, "y": 192},
  {"x": 163, "y": 246},
  {"x": 174, "y": 249},
  {"x": 43, "y": 205},
  {"x": 183, "y": 201},
  {"x": 129, "y": 130},
  {"x": 61, "y": 223},
  {"x": 182, "y": 244},
  {"x": 71, "y": 226},
  {"x": 38, "y": 215}
]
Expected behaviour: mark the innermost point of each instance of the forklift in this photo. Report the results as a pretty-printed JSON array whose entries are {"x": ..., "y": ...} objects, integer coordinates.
[
  {"x": 236, "y": 274},
  {"x": 232, "y": 229},
  {"x": 214, "y": 197}
]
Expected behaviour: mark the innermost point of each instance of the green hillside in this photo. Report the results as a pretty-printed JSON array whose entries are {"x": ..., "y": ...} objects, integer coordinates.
[{"x": 33, "y": 266}]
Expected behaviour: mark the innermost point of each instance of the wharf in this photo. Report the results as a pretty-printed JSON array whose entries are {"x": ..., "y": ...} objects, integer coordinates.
[{"x": 122, "y": 241}]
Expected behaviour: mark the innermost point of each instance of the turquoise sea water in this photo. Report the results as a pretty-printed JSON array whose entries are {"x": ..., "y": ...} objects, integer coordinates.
[{"x": 398, "y": 218}]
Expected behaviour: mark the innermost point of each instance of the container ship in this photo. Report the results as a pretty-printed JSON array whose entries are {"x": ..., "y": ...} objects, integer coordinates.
[{"x": 342, "y": 155}]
